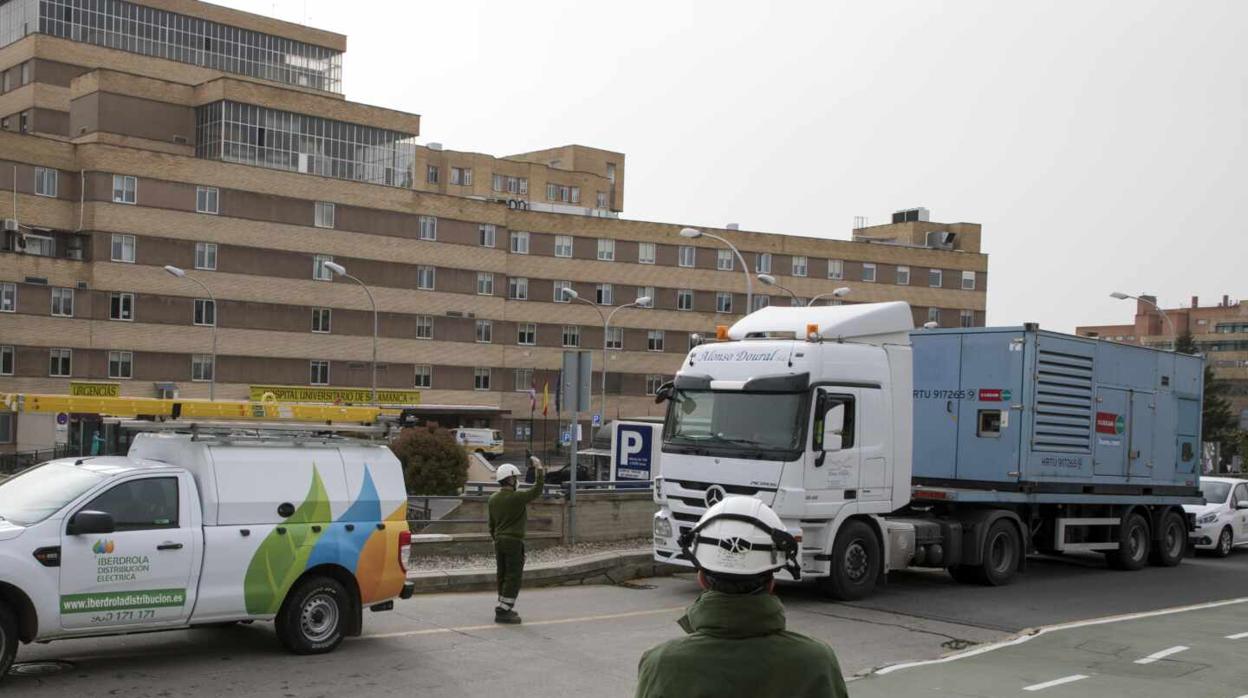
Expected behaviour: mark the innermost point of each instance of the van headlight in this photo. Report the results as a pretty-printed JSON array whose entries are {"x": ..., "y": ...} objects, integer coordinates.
[
  {"x": 1207, "y": 519},
  {"x": 662, "y": 528}
]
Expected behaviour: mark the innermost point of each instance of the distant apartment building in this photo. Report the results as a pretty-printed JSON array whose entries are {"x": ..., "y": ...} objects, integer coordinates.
[
  {"x": 1220, "y": 332},
  {"x": 153, "y": 133}
]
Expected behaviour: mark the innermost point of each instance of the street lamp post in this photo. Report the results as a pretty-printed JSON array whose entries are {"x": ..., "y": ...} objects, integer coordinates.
[
  {"x": 769, "y": 280},
  {"x": 1174, "y": 337},
  {"x": 838, "y": 293},
  {"x": 641, "y": 302},
  {"x": 181, "y": 274},
  {"x": 340, "y": 270},
  {"x": 693, "y": 233}
]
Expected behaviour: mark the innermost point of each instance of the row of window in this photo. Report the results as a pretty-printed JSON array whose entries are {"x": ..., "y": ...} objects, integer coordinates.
[{"x": 11, "y": 80}]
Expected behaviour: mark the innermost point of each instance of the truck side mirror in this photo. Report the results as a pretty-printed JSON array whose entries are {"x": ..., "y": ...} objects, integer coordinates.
[
  {"x": 88, "y": 522},
  {"x": 833, "y": 425},
  {"x": 664, "y": 393}
]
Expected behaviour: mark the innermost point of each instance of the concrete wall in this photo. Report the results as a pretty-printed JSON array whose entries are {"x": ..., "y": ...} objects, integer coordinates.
[{"x": 599, "y": 517}]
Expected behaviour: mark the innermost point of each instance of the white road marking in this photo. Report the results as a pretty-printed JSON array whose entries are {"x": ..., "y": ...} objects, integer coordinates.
[
  {"x": 493, "y": 626},
  {"x": 1237, "y": 636},
  {"x": 1155, "y": 656},
  {"x": 1055, "y": 682},
  {"x": 1037, "y": 632}
]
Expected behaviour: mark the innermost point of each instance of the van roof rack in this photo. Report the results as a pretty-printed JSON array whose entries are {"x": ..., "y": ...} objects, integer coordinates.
[
  {"x": 160, "y": 408},
  {"x": 255, "y": 431}
]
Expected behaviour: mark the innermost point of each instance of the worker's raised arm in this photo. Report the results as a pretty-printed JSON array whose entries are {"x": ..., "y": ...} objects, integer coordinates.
[{"x": 538, "y": 482}]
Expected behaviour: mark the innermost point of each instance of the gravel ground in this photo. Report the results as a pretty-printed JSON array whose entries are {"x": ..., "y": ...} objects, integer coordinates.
[{"x": 426, "y": 563}]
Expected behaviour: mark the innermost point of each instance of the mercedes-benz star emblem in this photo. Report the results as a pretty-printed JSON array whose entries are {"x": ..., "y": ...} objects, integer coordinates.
[{"x": 714, "y": 495}]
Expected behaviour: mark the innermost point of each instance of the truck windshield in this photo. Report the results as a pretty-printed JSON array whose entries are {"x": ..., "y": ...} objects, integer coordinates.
[
  {"x": 761, "y": 425},
  {"x": 42, "y": 491},
  {"x": 1215, "y": 492}
]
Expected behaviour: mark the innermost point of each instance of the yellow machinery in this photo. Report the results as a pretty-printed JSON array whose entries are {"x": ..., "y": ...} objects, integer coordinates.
[{"x": 143, "y": 407}]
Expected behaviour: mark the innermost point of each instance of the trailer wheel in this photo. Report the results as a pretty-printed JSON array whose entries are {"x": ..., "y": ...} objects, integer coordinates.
[
  {"x": 1003, "y": 550},
  {"x": 8, "y": 639},
  {"x": 856, "y": 558},
  {"x": 1133, "y": 545},
  {"x": 314, "y": 618},
  {"x": 1171, "y": 544}
]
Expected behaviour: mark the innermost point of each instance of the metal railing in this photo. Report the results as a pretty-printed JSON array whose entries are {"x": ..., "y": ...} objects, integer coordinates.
[{"x": 12, "y": 463}]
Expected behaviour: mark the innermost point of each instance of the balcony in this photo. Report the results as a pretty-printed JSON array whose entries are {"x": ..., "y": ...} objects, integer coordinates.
[{"x": 47, "y": 243}]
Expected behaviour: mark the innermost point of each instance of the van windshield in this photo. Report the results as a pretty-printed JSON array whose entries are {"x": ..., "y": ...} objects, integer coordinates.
[
  {"x": 756, "y": 425},
  {"x": 1215, "y": 492},
  {"x": 40, "y": 492}
]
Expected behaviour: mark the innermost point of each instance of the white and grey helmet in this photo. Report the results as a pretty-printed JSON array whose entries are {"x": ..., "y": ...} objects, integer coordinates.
[
  {"x": 741, "y": 537},
  {"x": 505, "y": 471}
]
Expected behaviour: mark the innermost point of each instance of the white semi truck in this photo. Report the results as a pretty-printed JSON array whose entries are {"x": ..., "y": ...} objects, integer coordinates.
[{"x": 965, "y": 449}]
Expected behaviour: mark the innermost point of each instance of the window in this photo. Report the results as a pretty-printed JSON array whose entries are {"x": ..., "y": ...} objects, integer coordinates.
[
  {"x": 559, "y": 192},
  {"x": 836, "y": 269},
  {"x": 485, "y": 283},
  {"x": 480, "y": 379},
  {"x": 512, "y": 185},
  {"x": 933, "y": 315},
  {"x": 826, "y": 402},
  {"x": 762, "y": 263},
  {"x": 868, "y": 271},
  {"x": 522, "y": 380},
  {"x": 431, "y": 174},
  {"x": 645, "y": 253},
  {"x": 60, "y": 362},
  {"x": 615, "y": 338},
  {"x": 648, "y": 292},
  {"x": 576, "y": 195},
  {"x": 207, "y": 200},
  {"x": 201, "y": 367},
  {"x": 526, "y": 333},
  {"x": 320, "y": 272},
  {"x": 485, "y": 331},
  {"x": 799, "y": 265},
  {"x": 318, "y": 372},
  {"x": 40, "y": 245},
  {"x": 121, "y": 306},
  {"x": 206, "y": 255},
  {"x": 654, "y": 340},
  {"x": 601, "y": 199},
  {"x": 604, "y": 294},
  {"x": 320, "y": 320},
  {"x": 563, "y": 245},
  {"x": 724, "y": 260},
  {"x": 125, "y": 189},
  {"x": 519, "y": 242},
  {"x": 138, "y": 505},
  {"x": 424, "y": 376},
  {"x": 606, "y": 250},
  {"x": 428, "y": 228},
  {"x": 461, "y": 176},
  {"x": 653, "y": 383},
  {"x": 903, "y": 276},
  {"x": 63, "y": 302},
  {"x": 684, "y": 299},
  {"x": 723, "y": 302},
  {"x": 560, "y": 296},
  {"x": 486, "y": 234},
  {"x": 45, "y": 181},
  {"x": 968, "y": 281},
  {"x": 205, "y": 312},
  {"x": 123, "y": 248},
  {"x": 120, "y": 364},
  {"x": 935, "y": 278},
  {"x": 571, "y": 336},
  {"x": 424, "y": 327},
  {"x": 761, "y": 301},
  {"x": 611, "y": 172},
  {"x": 23, "y": 121},
  {"x": 8, "y": 297},
  {"x": 552, "y": 191},
  {"x": 518, "y": 288},
  {"x": 966, "y": 318},
  {"x": 25, "y": 73},
  {"x": 7, "y": 358},
  {"x": 687, "y": 256},
  {"x": 324, "y": 214},
  {"x": 426, "y": 277}
]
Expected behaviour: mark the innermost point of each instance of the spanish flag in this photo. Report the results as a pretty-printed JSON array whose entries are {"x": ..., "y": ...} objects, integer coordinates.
[{"x": 545, "y": 398}]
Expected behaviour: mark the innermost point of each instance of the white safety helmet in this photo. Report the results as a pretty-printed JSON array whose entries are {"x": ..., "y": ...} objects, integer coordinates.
[
  {"x": 505, "y": 471},
  {"x": 741, "y": 537}
]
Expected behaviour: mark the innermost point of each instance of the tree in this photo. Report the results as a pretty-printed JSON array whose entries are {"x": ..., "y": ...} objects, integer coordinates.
[
  {"x": 1218, "y": 421},
  {"x": 432, "y": 462}
]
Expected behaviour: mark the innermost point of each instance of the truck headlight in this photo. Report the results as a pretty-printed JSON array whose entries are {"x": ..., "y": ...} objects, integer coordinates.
[
  {"x": 662, "y": 528},
  {"x": 1207, "y": 519}
]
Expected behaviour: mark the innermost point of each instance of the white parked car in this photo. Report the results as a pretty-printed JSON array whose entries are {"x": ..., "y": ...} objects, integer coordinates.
[{"x": 1222, "y": 521}]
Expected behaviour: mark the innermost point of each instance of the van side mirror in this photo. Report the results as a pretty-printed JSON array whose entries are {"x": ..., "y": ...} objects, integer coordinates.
[
  {"x": 833, "y": 425},
  {"x": 87, "y": 522}
]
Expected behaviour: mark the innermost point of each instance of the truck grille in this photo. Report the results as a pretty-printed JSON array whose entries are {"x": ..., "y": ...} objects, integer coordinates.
[{"x": 1063, "y": 402}]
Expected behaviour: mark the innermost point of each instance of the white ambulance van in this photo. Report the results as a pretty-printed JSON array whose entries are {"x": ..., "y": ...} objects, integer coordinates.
[{"x": 192, "y": 530}]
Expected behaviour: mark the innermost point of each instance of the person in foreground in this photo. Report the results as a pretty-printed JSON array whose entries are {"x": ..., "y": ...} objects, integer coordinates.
[
  {"x": 737, "y": 644},
  {"x": 508, "y": 514}
]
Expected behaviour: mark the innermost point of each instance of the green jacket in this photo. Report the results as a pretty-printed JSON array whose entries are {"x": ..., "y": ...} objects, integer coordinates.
[
  {"x": 509, "y": 509},
  {"x": 737, "y": 646}
]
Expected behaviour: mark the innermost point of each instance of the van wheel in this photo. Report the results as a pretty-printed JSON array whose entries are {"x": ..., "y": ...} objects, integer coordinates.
[
  {"x": 8, "y": 639},
  {"x": 1133, "y": 545},
  {"x": 313, "y": 618},
  {"x": 1171, "y": 544},
  {"x": 855, "y": 563},
  {"x": 1003, "y": 549}
]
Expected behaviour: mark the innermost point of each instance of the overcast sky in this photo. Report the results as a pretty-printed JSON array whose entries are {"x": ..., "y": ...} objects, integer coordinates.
[{"x": 1101, "y": 144}]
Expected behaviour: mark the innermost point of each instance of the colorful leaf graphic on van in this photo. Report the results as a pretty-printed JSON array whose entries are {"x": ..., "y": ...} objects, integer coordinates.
[
  {"x": 341, "y": 547},
  {"x": 282, "y": 557},
  {"x": 378, "y": 572}
]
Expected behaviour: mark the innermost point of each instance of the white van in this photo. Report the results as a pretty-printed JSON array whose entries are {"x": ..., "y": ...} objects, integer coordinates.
[
  {"x": 189, "y": 531},
  {"x": 487, "y": 442}
]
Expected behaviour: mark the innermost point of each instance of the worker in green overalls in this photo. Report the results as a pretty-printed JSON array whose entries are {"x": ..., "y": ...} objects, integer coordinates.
[{"x": 509, "y": 511}]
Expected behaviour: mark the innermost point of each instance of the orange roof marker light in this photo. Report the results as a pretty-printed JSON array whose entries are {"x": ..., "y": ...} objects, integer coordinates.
[
  {"x": 721, "y": 333},
  {"x": 812, "y": 331}
]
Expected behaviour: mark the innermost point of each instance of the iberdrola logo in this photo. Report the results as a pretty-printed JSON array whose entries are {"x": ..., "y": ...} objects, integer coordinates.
[{"x": 103, "y": 547}]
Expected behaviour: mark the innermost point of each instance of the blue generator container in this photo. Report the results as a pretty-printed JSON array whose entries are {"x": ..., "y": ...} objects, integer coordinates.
[{"x": 1021, "y": 409}]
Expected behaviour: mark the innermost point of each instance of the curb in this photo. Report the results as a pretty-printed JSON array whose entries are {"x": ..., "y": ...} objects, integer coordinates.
[{"x": 600, "y": 568}]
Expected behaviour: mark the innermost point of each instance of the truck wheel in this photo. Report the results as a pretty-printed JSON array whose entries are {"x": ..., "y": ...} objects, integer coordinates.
[
  {"x": 855, "y": 563},
  {"x": 313, "y": 619},
  {"x": 1133, "y": 545},
  {"x": 8, "y": 639},
  {"x": 1171, "y": 545},
  {"x": 1226, "y": 541},
  {"x": 1002, "y": 552}
]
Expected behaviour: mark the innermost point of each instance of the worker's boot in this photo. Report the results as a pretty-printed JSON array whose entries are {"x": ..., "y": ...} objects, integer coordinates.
[{"x": 502, "y": 615}]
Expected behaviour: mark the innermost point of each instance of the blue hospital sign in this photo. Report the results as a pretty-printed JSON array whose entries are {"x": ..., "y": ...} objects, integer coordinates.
[{"x": 633, "y": 453}]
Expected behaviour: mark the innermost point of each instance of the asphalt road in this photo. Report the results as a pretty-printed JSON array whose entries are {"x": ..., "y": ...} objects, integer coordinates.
[{"x": 585, "y": 641}]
